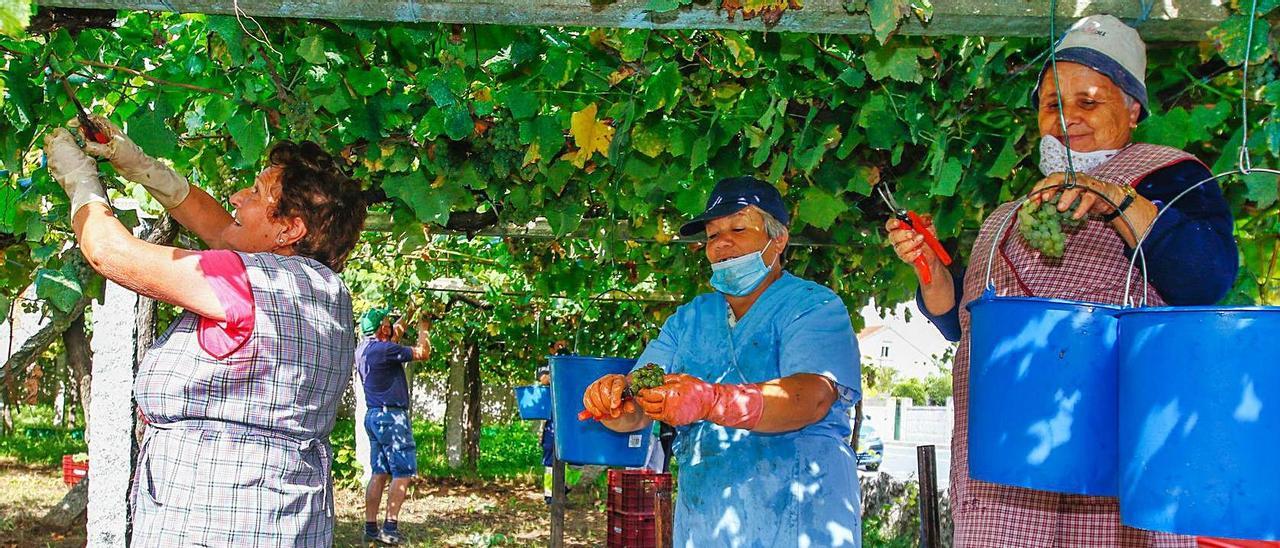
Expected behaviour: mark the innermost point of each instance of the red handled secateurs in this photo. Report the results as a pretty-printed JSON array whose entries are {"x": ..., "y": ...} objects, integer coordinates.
[
  {"x": 90, "y": 130},
  {"x": 917, "y": 224}
]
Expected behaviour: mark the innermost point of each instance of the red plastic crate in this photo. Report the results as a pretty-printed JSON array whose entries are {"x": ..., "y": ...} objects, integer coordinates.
[
  {"x": 631, "y": 530},
  {"x": 633, "y": 491},
  {"x": 72, "y": 471},
  {"x": 1206, "y": 542}
]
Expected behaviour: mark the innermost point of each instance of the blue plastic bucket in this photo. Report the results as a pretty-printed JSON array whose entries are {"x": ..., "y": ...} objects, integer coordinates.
[
  {"x": 534, "y": 402},
  {"x": 1199, "y": 420},
  {"x": 1042, "y": 394},
  {"x": 588, "y": 441}
]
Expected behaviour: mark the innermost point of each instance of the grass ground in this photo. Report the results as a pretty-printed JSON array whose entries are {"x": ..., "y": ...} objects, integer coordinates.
[{"x": 439, "y": 512}]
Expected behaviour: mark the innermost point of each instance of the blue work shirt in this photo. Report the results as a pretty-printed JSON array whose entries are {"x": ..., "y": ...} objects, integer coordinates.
[
  {"x": 381, "y": 367},
  {"x": 743, "y": 488}
]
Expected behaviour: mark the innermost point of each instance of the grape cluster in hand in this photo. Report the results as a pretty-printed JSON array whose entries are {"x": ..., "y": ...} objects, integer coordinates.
[
  {"x": 1045, "y": 228},
  {"x": 649, "y": 376}
]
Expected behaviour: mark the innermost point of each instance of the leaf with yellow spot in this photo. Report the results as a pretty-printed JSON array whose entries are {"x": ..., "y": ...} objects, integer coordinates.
[
  {"x": 532, "y": 155},
  {"x": 621, "y": 74},
  {"x": 589, "y": 135},
  {"x": 769, "y": 11}
]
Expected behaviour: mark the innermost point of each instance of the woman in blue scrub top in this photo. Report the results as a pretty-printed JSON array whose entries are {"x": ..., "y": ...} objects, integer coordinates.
[{"x": 760, "y": 377}]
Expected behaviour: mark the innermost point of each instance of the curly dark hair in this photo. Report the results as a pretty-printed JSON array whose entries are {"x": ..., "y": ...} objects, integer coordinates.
[{"x": 315, "y": 188}]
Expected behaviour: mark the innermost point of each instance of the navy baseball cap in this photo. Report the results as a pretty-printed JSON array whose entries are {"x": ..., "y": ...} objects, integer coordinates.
[{"x": 733, "y": 194}]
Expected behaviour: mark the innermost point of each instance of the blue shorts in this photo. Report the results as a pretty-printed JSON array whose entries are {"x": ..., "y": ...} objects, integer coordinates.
[{"x": 391, "y": 446}]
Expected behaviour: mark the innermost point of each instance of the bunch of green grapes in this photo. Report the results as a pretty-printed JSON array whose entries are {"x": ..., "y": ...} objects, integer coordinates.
[
  {"x": 1045, "y": 228},
  {"x": 649, "y": 376}
]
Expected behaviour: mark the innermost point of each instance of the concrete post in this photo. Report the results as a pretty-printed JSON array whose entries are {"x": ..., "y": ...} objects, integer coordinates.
[
  {"x": 897, "y": 419},
  {"x": 112, "y": 412},
  {"x": 362, "y": 435}
]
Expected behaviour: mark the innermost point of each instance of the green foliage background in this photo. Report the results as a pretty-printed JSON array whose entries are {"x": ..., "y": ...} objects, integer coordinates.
[{"x": 467, "y": 126}]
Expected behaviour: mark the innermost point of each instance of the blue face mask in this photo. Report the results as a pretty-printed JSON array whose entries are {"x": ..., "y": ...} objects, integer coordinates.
[{"x": 740, "y": 276}]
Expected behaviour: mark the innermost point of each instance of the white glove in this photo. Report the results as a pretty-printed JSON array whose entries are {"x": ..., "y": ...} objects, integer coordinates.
[
  {"x": 168, "y": 188},
  {"x": 76, "y": 172}
]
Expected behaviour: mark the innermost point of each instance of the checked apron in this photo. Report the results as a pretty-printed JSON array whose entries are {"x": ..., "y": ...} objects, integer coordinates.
[
  {"x": 236, "y": 452},
  {"x": 1092, "y": 269}
]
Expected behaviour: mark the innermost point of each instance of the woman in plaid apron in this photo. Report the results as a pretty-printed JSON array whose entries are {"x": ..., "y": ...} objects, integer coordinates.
[
  {"x": 241, "y": 393},
  {"x": 1190, "y": 255}
]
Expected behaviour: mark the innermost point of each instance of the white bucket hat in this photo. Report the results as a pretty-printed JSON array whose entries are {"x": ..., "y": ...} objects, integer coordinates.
[{"x": 1107, "y": 45}]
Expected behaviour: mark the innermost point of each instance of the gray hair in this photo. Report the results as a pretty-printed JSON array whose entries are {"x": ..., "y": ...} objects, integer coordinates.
[{"x": 772, "y": 226}]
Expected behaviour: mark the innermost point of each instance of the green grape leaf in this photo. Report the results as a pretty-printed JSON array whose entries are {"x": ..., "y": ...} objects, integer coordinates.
[
  {"x": 691, "y": 200},
  {"x": 660, "y": 6},
  {"x": 663, "y": 88},
  {"x": 150, "y": 132},
  {"x": 1170, "y": 128},
  {"x": 311, "y": 49},
  {"x": 438, "y": 90},
  {"x": 564, "y": 220},
  {"x": 885, "y": 15},
  {"x": 14, "y": 16},
  {"x": 367, "y": 82},
  {"x": 820, "y": 208},
  {"x": 648, "y": 141},
  {"x": 458, "y": 124},
  {"x": 1262, "y": 188},
  {"x": 698, "y": 155},
  {"x": 882, "y": 126},
  {"x": 853, "y": 77},
  {"x": 429, "y": 205},
  {"x": 523, "y": 104},
  {"x": 1207, "y": 120},
  {"x": 1006, "y": 160},
  {"x": 1231, "y": 36},
  {"x": 62, "y": 288},
  {"x": 945, "y": 181},
  {"x": 336, "y": 102},
  {"x": 21, "y": 93},
  {"x": 8, "y": 209},
  {"x": 549, "y": 136},
  {"x": 899, "y": 63},
  {"x": 228, "y": 28},
  {"x": 249, "y": 130}
]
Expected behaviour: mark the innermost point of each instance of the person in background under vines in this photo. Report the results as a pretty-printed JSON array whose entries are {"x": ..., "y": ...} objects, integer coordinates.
[
  {"x": 393, "y": 455},
  {"x": 760, "y": 376},
  {"x": 240, "y": 394},
  {"x": 1190, "y": 255}
]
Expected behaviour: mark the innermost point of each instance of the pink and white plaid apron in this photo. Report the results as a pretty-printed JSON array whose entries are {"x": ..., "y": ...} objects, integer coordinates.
[
  {"x": 237, "y": 450},
  {"x": 1092, "y": 269}
]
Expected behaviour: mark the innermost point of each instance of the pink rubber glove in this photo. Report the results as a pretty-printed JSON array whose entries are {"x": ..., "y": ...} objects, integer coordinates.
[{"x": 684, "y": 399}]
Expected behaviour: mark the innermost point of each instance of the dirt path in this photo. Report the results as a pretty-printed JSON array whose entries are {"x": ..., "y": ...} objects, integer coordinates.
[{"x": 440, "y": 512}]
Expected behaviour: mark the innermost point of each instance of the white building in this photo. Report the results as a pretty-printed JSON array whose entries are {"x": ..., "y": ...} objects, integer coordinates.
[{"x": 912, "y": 347}]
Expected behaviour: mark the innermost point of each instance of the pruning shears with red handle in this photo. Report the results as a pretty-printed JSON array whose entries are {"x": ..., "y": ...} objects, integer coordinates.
[
  {"x": 90, "y": 130},
  {"x": 917, "y": 224}
]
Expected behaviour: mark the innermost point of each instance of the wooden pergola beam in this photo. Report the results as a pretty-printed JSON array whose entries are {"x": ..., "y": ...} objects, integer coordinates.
[
  {"x": 1169, "y": 20},
  {"x": 540, "y": 229}
]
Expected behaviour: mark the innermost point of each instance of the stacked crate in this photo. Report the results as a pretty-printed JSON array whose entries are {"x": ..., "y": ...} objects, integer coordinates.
[
  {"x": 73, "y": 471},
  {"x": 633, "y": 508}
]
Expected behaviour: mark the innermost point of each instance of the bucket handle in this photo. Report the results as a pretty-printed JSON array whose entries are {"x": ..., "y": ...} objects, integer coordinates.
[
  {"x": 1147, "y": 233},
  {"x": 998, "y": 238}
]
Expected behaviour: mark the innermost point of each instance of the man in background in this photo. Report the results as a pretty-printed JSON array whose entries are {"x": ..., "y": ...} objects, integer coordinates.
[{"x": 380, "y": 361}]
